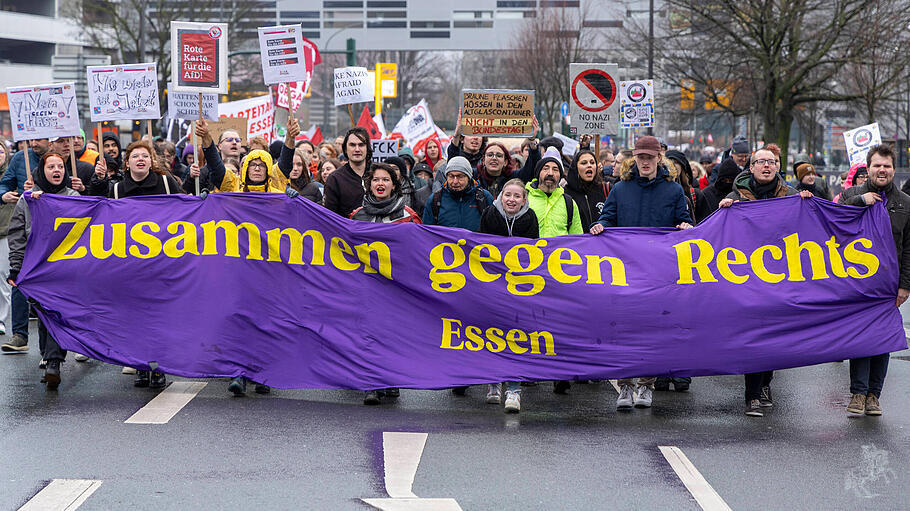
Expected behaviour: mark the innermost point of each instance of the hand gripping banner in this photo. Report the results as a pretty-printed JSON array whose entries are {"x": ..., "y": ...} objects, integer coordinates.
[{"x": 288, "y": 294}]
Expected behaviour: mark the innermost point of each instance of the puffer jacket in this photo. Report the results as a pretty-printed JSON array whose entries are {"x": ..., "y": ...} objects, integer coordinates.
[
  {"x": 458, "y": 209},
  {"x": 552, "y": 211},
  {"x": 635, "y": 201}
]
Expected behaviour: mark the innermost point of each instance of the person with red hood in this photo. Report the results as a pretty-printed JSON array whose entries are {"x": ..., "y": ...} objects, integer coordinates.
[
  {"x": 433, "y": 153},
  {"x": 856, "y": 176}
]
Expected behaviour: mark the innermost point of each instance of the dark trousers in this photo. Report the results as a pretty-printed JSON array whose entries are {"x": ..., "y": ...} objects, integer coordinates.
[
  {"x": 754, "y": 383},
  {"x": 50, "y": 350},
  {"x": 19, "y": 304},
  {"x": 867, "y": 374}
]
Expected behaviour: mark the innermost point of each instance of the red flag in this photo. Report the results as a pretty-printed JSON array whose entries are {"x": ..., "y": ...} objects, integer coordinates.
[
  {"x": 366, "y": 121},
  {"x": 314, "y": 135},
  {"x": 317, "y": 59}
]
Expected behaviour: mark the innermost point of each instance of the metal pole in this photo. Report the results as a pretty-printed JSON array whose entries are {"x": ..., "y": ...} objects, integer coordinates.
[{"x": 651, "y": 47}]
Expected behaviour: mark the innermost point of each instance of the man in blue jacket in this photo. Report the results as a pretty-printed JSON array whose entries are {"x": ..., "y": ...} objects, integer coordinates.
[
  {"x": 460, "y": 203},
  {"x": 645, "y": 196}
]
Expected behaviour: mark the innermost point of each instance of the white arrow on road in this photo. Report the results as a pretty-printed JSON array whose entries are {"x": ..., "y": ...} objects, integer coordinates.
[{"x": 401, "y": 455}]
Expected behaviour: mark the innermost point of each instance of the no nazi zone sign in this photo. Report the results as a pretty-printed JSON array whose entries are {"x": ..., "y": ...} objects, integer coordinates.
[{"x": 594, "y": 109}]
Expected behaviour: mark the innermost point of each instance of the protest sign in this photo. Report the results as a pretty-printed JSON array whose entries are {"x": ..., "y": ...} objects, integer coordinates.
[
  {"x": 416, "y": 124},
  {"x": 123, "y": 92},
  {"x": 422, "y": 327},
  {"x": 497, "y": 112},
  {"x": 352, "y": 85},
  {"x": 185, "y": 105},
  {"x": 258, "y": 110},
  {"x": 593, "y": 107},
  {"x": 860, "y": 140},
  {"x": 283, "y": 59},
  {"x": 43, "y": 111},
  {"x": 238, "y": 124},
  {"x": 569, "y": 145},
  {"x": 383, "y": 149},
  {"x": 636, "y": 104},
  {"x": 199, "y": 57},
  {"x": 299, "y": 90}
]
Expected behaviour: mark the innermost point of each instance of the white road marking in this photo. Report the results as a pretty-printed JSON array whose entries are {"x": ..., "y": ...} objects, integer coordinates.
[
  {"x": 414, "y": 504},
  {"x": 62, "y": 495},
  {"x": 402, "y": 452},
  {"x": 166, "y": 404},
  {"x": 704, "y": 494}
]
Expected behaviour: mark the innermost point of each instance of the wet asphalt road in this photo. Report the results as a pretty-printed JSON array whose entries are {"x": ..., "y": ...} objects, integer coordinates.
[{"x": 322, "y": 449}]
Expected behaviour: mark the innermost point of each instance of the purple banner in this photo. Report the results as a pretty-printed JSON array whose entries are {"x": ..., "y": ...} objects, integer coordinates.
[{"x": 288, "y": 294}]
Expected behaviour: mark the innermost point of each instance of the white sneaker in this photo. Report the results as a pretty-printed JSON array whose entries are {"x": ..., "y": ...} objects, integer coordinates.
[
  {"x": 513, "y": 401},
  {"x": 644, "y": 397},
  {"x": 128, "y": 370},
  {"x": 624, "y": 401},
  {"x": 79, "y": 357},
  {"x": 494, "y": 395}
]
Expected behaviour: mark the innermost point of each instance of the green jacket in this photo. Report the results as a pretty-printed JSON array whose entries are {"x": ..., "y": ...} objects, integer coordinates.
[{"x": 551, "y": 211}]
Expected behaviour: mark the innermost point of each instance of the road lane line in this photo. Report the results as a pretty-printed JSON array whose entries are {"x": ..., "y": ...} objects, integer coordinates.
[
  {"x": 704, "y": 494},
  {"x": 414, "y": 504},
  {"x": 166, "y": 404},
  {"x": 62, "y": 495},
  {"x": 401, "y": 452}
]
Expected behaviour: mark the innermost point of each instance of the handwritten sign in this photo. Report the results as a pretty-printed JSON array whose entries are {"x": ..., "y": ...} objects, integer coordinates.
[
  {"x": 383, "y": 149},
  {"x": 299, "y": 90},
  {"x": 497, "y": 112},
  {"x": 185, "y": 105},
  {"x": 283, "y": 59},
  {"x": 352, "y": 85},
  {"x": 259, "y": 110},
  {"x": 199, "y": 57},
  {"x": 123, "y": 92},
  {"x": 43, "y": 111}
]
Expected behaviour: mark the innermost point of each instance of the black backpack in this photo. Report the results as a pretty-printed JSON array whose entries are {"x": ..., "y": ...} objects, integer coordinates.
[{"x": 479, "y": 199}]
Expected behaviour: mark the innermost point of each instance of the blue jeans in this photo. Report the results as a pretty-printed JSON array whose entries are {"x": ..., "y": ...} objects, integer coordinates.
[
  {"x": 20, "y": 313},
  {"x": 514, "y": 386},
  {"x": 867, "y": 374}
]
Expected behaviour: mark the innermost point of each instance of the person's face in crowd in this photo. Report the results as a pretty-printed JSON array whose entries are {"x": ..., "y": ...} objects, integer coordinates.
[
  {"x": 40, "y": 146},
  {"x": 111, "y": 149},
  {"x": 338, "y": 141},
  {"x": 139, "y": 163},
  {"x": 860, "y": 179},
  {"x": 432, "y": 150},
  {"x": 327, "y": 170},
  {"x": 548, "y": 179},
  {"x": 92, "y": 145},
  {"x": 513, "y": 199},
  {"x": 256, "y": 170},
  {"x": 356, "y": 149},
  {"x": 708, "y": 167},
  {"x": 297, "y": 170},
  {"x": 78, "y": 143},
  {"x": 423, "y": 174},
  {"x": 472, "y": 144},
  {"x": 587, "y": 167},
  {"x": 229, "y": 144},
  {"x": 457, "y": 181},
  {"x": 809, "y": 178},
  {"x": 63, "y": 145},
  {"x": 307, "y": 150},
  {"x": 397, "y": 170},
  {"x": 525, "y": 150},
  {"x": 881, "y": 170},
  {"x": 169, "y": 155},
  {"x": 764, "y": 167},
  {"x": 608, "y": 160},
  {"x": 742, "y": 159},
  {"x": 54, "y": 170},
  {"x": 190, "y": 159},
  {"x": 381, "y": 184},
  {"x": 647, "y": 165},
  {"x": 494, "y": 160},
  {"x": 617, "y": 160},
  {"x": 2, "y": 153}
]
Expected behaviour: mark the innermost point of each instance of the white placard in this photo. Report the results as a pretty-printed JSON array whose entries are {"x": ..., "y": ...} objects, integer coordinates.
[
  {"x": 593, "y": 107},
  {"x": 185, "y": 105},
  {"x": 416, "y": 124},
  {"x": 281, "y": 49},
  {"x": 258, "y": 110},
  {"x": 352, "y": 85},
  {"x": 123, "y": 92},
  {"x": 636, "y": 104},
  {"x": 860, "y": 140},
  {"x": 383, "y": 149},
  {"x": 43, "y": 111},
  {"x": 199, "y": 57},
  {"x": 569, "y": 145}
]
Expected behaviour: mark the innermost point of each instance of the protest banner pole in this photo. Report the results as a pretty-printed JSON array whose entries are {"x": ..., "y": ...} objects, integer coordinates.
[
  {"x": 100, "y": 139},
  {"x": 28, "y": 165},
  {"x": 195, "y": 145},
  {"x": 292, "y": 112},
  {"x": 72, "y": 155},
  {"x": 148, "y": 127},
  {"x": 597, "y": 149},
  {"x": 351, "y": 114}
]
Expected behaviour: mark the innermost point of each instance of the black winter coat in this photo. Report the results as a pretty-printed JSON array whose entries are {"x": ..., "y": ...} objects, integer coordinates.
[{"x": 525, "y": 224}]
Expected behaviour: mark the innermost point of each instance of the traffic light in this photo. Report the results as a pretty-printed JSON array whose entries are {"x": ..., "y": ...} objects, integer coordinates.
[{"x": 352, "y": 52}]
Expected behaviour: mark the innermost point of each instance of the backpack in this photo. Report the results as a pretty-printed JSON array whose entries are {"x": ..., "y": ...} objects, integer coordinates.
[
  {"x": 570, "y": 210},
  {"x": 479, "y": 199}
]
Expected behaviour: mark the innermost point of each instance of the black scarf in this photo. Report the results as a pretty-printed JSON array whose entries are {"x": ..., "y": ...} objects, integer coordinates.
[
  {"x": 763, "y": 191},
  {"x": 45, "y": 186},
  {"x": 381, "y": 208}
]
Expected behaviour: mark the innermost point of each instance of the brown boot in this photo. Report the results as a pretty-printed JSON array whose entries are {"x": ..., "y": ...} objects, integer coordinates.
[
  {"x": 857, "y": 404},
  {"x": 872, "y": 406}
]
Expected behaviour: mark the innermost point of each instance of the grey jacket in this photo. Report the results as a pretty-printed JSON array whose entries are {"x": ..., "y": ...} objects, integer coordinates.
[{"x": 20, "y": 226}]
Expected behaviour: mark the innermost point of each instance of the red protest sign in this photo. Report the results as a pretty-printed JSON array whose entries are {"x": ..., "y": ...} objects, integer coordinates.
[{"x": 200, "y": 57}]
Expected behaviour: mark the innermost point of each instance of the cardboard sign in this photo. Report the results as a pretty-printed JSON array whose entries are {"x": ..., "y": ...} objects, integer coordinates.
[
  {"x": 123, "y": 92},
  {"x": 860, "y": 140},
  {"x": 497, "y": 112},
  {"x": 43, "y": 111},
  {"x": 636, "y": 104},
  {"x": 416, "y": 124},
  {"x": 199, "y": 57},
  {"x": 238, "y": 124},
  {"x": 258, "y": 110},
  {"x": 185, "y": 105},
  {"x": 352, "y": 85},
  {"x": 283, "y": 59},
  {"x": 383, "y": 149},
  {"x": 593, "y": 108}
]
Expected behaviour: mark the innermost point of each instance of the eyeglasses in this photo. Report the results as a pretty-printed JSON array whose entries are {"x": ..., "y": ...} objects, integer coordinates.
[
  {"x": 231, "y": 139},
  {"x": 495, "y": 155},
  {"x": 764, "y": 162},
  {"x": 253, "y": 165}
]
